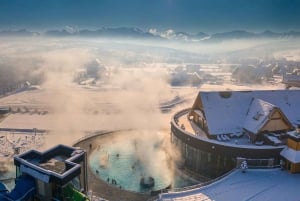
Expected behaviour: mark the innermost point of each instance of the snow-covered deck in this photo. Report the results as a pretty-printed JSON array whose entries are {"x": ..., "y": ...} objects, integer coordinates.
[
  {"x": 242, "y": 140},
  {"x": 255, "y": 184}
]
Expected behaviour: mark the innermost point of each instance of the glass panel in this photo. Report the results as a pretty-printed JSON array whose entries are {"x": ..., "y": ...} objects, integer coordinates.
[{"x": 41, "y": 187}]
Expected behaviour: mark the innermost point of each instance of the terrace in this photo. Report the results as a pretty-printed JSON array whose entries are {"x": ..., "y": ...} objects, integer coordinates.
[
  {"x": 59, "y": 163},
  {"x": 241, "y": 140}
]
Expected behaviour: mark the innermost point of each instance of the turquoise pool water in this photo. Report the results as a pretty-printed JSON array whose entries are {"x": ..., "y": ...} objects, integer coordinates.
[{"x": 123, "y": 163}]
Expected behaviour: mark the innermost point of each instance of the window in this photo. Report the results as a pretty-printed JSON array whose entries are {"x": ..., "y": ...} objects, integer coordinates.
[{"x": 41, "y": 187}]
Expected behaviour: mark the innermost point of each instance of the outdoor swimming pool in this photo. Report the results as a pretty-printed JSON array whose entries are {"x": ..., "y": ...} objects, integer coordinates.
[{"x": 124, "y": 162}]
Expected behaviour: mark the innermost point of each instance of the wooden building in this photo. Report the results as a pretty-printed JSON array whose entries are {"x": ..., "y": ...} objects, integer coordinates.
[
  {"x": 264, "y": 115},
  {"x": 291, "y": 153}
]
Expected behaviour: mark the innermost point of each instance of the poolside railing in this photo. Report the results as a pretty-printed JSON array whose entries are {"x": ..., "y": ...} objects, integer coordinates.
[{"x": 187, "y": 188}]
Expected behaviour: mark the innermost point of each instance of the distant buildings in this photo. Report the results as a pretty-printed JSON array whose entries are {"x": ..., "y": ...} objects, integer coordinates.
[
  {"x": 291, "y": 80},
  {"x": 92, "y": 72},
  {"x": 191, "y": 75},
  {"x": 251, "y": 74}
]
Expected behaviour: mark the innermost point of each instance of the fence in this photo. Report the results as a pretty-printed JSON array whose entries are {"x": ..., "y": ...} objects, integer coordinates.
[
  {"x": 257, "y": 163},
  {"x": 192, "y": 187}
]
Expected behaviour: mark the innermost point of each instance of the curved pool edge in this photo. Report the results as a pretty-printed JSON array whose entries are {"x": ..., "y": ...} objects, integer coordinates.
[{"x": 100, "y": 187}]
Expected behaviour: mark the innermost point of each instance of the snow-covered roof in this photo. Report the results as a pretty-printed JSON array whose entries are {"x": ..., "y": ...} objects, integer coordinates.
[
  {"x": 291, "y": 155},
  {"x": 41, "y": 166},
  {"x": 274, "y": 139},
  {"x": 294, "y": 134},
  {"x": 226, "y": 112},
  {"x": 257, "y": 115}
]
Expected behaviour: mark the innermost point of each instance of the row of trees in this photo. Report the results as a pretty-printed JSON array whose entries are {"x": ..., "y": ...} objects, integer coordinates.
[{"x": 16, "y": 74}]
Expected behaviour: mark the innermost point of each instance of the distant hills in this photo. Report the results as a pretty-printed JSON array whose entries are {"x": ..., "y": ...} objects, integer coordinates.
[
  {"x": 129, "y": 32},
  {"x": 21, "y": 32},
  {"x": 107, "y": 32},
  {"x": 240, "y": 34}
]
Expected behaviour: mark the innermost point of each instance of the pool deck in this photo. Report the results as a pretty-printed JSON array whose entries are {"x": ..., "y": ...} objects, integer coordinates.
[{"x": 254, "y": 185}]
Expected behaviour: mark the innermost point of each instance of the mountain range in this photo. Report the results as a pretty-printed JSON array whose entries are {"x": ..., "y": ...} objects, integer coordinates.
[{"x": 128, "y": 32}]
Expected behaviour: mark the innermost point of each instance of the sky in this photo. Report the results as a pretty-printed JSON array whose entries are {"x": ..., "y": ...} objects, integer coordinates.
[{"x": 192, "y": 16}]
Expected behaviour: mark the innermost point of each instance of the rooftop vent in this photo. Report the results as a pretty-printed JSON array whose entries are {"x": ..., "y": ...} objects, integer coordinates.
[
  {"x": 257, "y": 116},
  {"x": 225, "y": 94}
]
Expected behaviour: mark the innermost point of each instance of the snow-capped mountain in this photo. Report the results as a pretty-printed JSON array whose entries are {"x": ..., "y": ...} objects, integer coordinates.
[
  {"x": 172, "y": 35},
  {"x": 21, "y": 32}
]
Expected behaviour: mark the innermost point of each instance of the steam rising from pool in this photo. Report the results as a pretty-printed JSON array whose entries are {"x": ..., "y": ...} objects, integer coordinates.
[{"x": 122, "y": 162}]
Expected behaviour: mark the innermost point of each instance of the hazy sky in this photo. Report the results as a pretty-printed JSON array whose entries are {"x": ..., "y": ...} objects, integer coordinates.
[{"x": 181, "y": 15}]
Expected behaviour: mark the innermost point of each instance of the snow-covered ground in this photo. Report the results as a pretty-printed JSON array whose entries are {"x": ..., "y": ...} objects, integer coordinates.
[
  {"x": 12, "y": 143},
  {"x": 72, "y": 111},
  {"x": 43, "y": 109},
  {"x": 254, "y": 185},
  {"x": 23, "y": 141}
]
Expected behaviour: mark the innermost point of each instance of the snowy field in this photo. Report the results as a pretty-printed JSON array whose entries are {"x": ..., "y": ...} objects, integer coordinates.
[
  {"x": 12, "y": 142},
  {"x": 67, "y": 115},
  {"x": 71, "y": 113}
]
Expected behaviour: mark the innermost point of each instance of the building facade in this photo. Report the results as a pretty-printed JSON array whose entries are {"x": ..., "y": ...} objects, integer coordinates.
[{"x": 247, "y": 125}]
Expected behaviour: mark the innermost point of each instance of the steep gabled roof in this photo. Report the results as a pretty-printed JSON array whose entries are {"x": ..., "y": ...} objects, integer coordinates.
[
  {"x": 257, "y": 115},
  {"x": 226, "y": 112}
]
